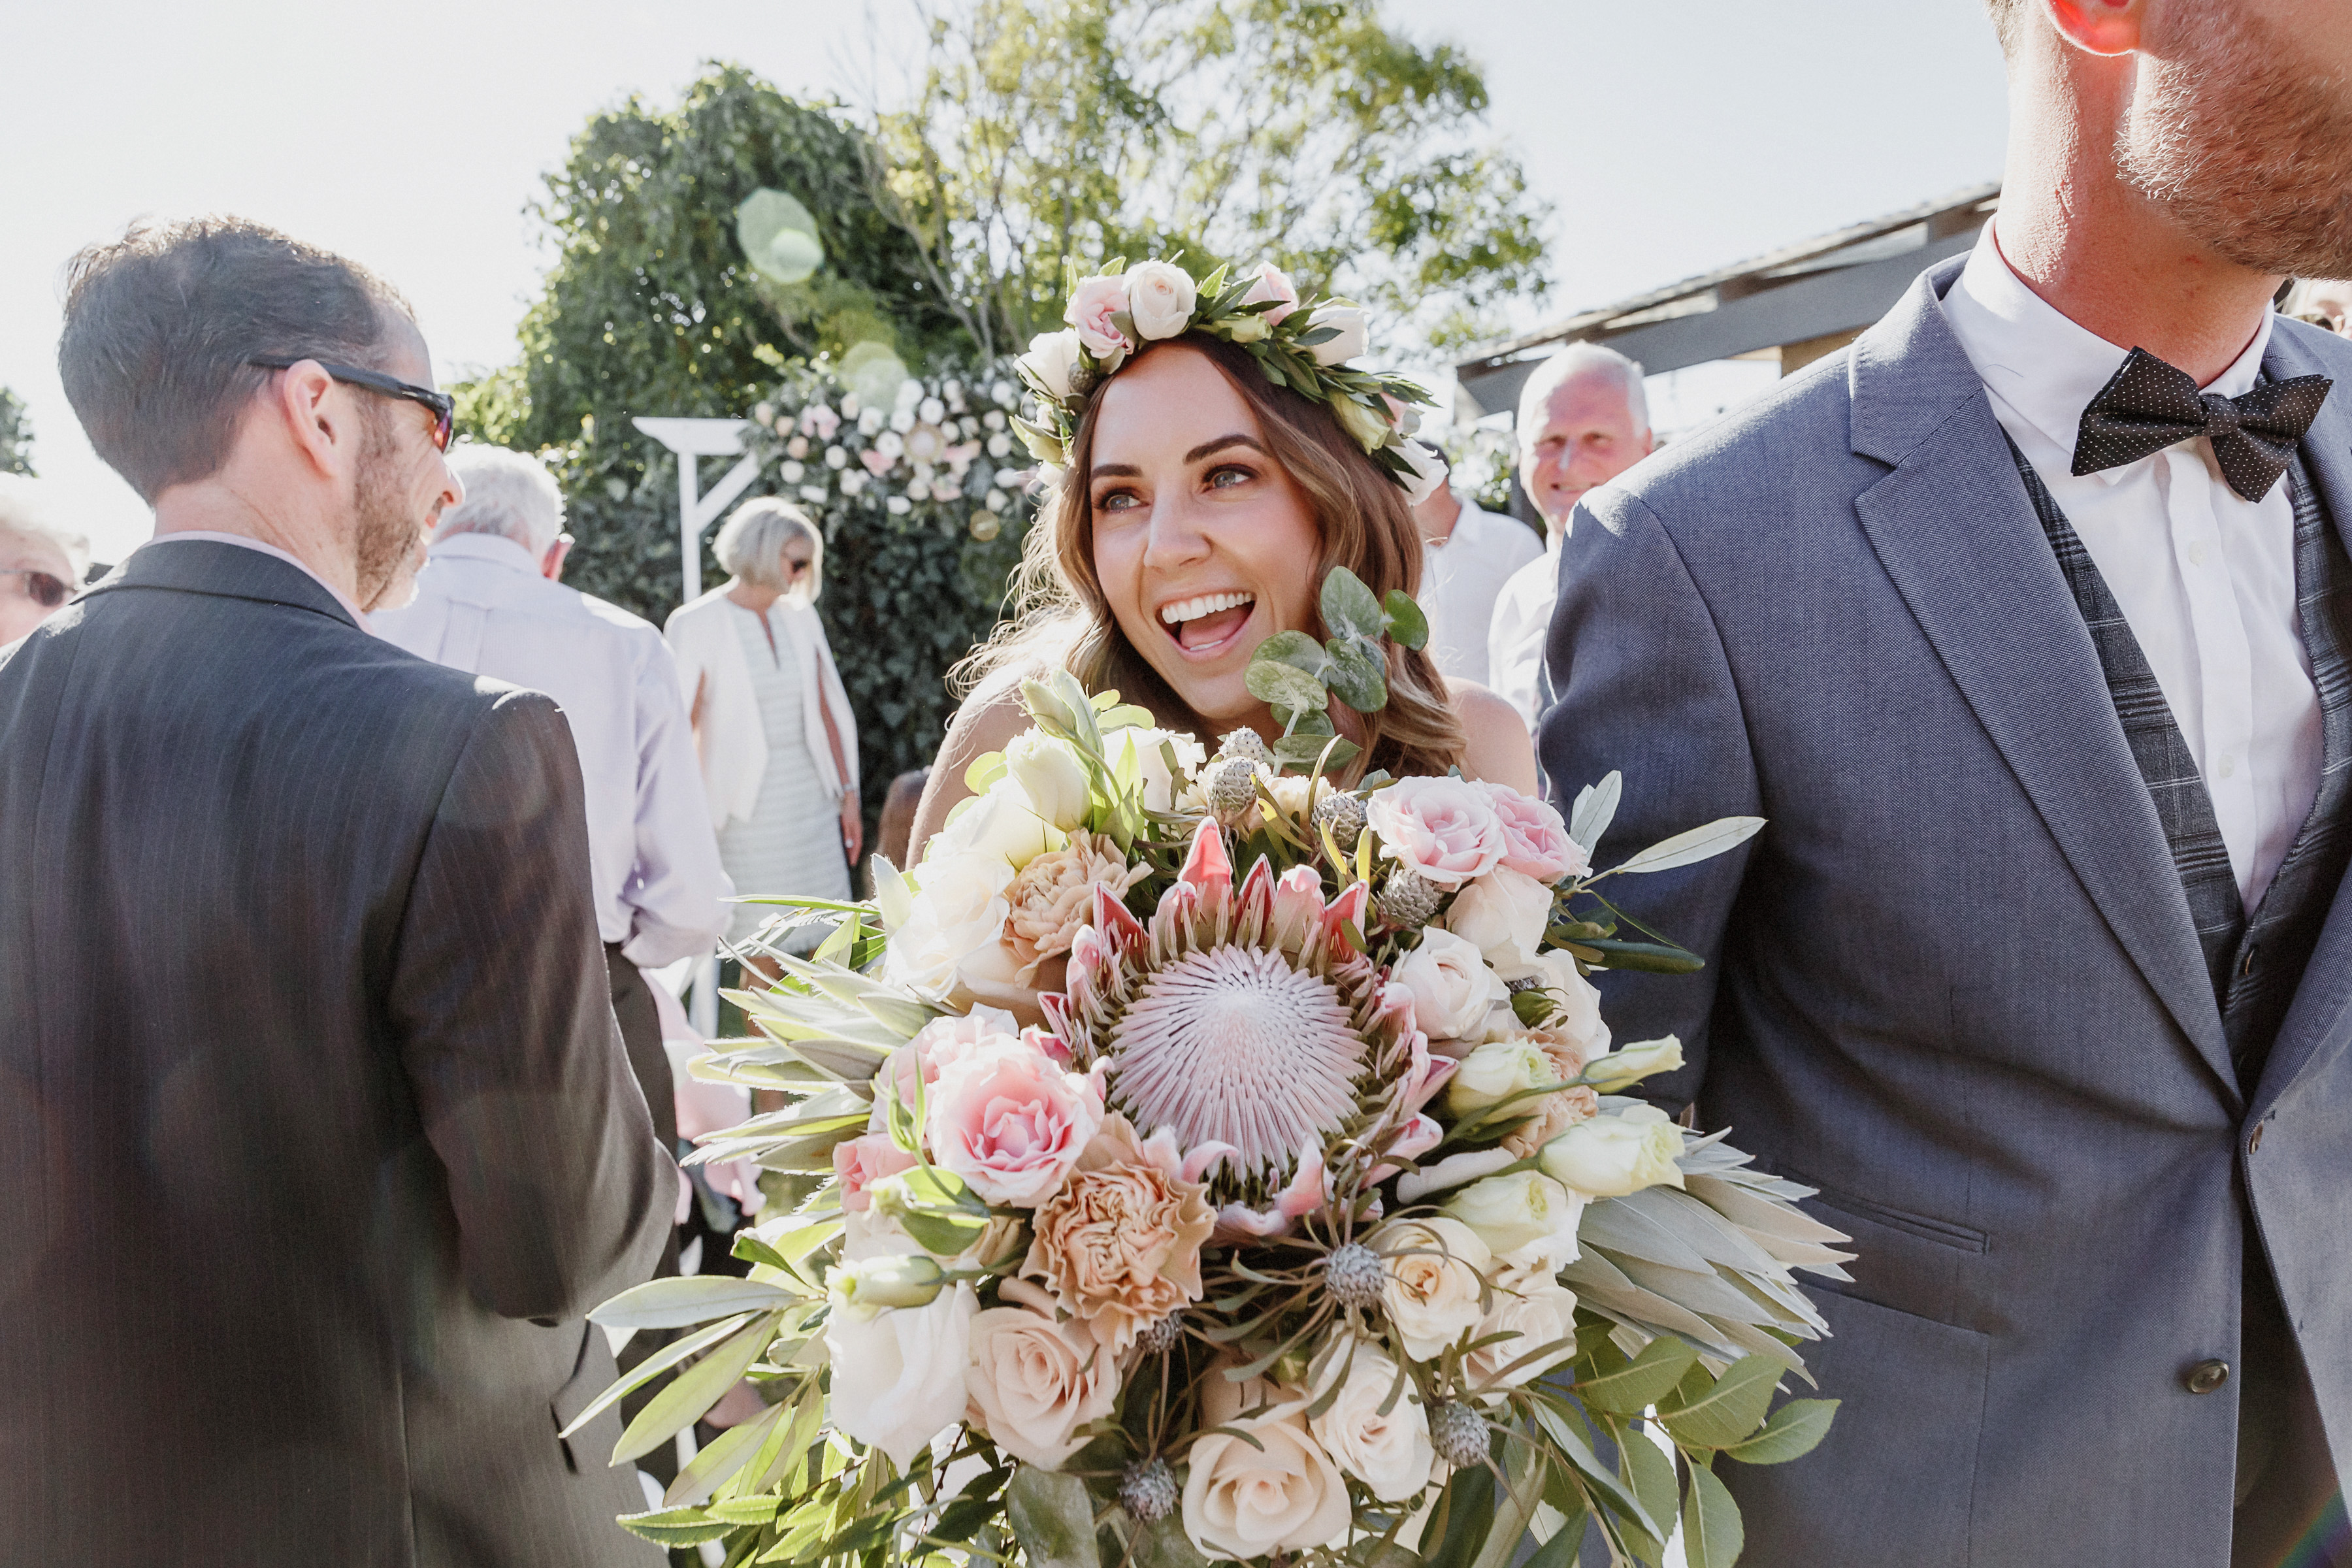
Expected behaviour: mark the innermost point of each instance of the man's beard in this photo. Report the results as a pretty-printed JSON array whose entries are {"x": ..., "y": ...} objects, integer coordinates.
[
  {"x": 2240, "y": 137},
  {"x": 385, "y": 531}
]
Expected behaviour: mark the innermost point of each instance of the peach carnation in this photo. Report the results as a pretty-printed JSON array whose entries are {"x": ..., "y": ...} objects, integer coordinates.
[
  {"x": 1052, "y": 895},
  {"x": 1119, "y": 1244}
]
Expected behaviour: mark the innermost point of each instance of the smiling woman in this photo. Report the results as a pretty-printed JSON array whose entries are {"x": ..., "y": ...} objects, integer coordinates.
[{"x": 1199, "y": 509}]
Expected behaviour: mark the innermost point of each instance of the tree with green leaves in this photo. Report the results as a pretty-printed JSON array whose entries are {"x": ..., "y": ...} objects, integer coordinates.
[
  {"x": 16, "y": 435},
  {"x": 1304, "y": 132}
]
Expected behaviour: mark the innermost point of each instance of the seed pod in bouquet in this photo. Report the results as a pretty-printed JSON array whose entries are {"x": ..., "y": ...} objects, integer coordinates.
[
  {"x": 1232, "y": 786},
  {"x": 1355, "y": 1275},
  {"x": 1247, "y": 744},
  {"x": 1147, "y": 1489},
  {"x": 1408, "y": 900},
  {"x": 1458, "y": 1432},
  {"x": 1344, "y": 816}
]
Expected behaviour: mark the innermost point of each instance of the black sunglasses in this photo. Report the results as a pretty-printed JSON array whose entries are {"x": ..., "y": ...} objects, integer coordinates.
[
  {"x": 45, "y": 591},
  {"x": 443, "y": 406}
]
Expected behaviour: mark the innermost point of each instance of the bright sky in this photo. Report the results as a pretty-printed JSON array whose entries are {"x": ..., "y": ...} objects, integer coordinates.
[{"x": 1673, "y": 139}]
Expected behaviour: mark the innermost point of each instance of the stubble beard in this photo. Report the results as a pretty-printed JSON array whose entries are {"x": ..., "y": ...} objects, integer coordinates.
[
  {"x": 2247, "y": 143},
  {"x": 384, "y": 532}
]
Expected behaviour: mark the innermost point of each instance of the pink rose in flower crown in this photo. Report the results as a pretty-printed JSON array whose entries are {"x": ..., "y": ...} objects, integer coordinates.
[
  {"x": 1097, "y": 300},
  {"x": 1011, "y": 1122},
  {"x": 1445, "y": 828},
  {"x": 861, "y": 1161},
  {"x": 1537, "y": 838},
  {"x": 1273, "y": 283}
]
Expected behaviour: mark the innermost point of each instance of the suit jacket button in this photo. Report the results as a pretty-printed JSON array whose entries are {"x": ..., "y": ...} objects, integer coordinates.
[{"x": 2205, "y": 1376}]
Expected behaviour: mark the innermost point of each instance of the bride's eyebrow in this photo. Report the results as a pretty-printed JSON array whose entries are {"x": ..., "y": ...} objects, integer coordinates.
[{"x": 1206, "y": 449}]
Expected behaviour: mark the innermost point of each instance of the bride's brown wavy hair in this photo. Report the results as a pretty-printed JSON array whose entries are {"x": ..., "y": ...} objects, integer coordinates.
[{"x": 1062, "y": 618}]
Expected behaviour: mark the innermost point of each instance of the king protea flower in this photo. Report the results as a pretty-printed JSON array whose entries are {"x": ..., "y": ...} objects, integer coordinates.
[{"x": 1243, "y": 1019}]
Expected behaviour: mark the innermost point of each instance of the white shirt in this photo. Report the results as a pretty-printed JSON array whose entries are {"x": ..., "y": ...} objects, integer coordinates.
[
  {"x": 241, "y": 541},
  {"x": 482, "y": 607},
  {"x": 1522, "y": 624},
  {"x": 1459, "y": 581},
  {"x": 2205, "y": 578}
]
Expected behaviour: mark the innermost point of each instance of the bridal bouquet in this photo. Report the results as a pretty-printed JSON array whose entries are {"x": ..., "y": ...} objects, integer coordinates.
[{"x": 1218, "y": 1164}]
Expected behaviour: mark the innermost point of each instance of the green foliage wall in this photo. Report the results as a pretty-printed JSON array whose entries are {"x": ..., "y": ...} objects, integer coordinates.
[{"x": 16, "y": 435}]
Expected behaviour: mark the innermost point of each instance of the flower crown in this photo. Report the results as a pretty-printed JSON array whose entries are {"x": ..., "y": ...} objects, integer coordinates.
[{"x": 1301, "y": 345}]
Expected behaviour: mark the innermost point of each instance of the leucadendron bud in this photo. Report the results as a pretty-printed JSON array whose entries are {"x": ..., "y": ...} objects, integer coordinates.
[
  {"x": 1610, "y": 1156},
  {"x": 1628, "y": 1064},
  {"x": 866, "y": 1286}
]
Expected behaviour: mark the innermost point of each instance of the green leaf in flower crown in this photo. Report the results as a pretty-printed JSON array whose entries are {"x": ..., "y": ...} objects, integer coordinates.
[
  {"x": 1349, "y": 607},
  {"x": 1053, "y": 1518},
  {"x": 1712, "y": 1533},
  {"x": 1279, "y": 685},
  {"x": 1356, "y": 674},
  {"x": 1795, "y": 1430},
  {"x": 1407, "y": 624}
]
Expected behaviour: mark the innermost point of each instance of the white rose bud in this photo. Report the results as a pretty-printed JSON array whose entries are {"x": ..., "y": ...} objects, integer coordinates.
[
  {"x": 1354, "y": 328},
  {"x": 1495, "y": 1072},
  {"x": 1160, "y": 298},
  {"x": 867, "y": 1286},
  {"x": 1050, "y": 773},
  {"x": 1620, "y": 1069},
  {"x": 1369, "y": 427},
  {"x": 1521, "y": 1209},
  {"x": 1610, "y": 1156},
  {"x": 1052, "y": 357}
]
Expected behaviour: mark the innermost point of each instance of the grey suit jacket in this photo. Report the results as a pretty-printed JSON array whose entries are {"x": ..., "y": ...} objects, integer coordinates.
[
  {"x": 316, "y": 1135},
  {"x": 1954, "y": 984}
]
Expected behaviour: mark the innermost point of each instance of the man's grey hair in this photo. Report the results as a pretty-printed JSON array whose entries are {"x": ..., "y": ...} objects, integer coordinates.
[
  {"x": 26, "y": 508},
  {"x": 1573, "y": 360},
  {"x": 750, "y": 544},
  {"x": 508, "y": 494}
]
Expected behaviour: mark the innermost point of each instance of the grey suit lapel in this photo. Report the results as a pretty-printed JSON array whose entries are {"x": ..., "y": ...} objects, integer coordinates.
[
  {"x": 2319, "y": 1023},
  {"x": 1953, "y": 528}
]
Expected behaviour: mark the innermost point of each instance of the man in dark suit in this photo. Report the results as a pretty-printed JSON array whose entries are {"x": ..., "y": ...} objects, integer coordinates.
[
  {"x": 2027, "y": 624},
  {"x": 316, "y": 1139}
]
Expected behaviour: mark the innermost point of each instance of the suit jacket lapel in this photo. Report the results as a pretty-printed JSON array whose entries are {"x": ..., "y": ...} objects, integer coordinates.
[
  {"x": 2319, "y": 1023},
  {"x": 1954, "y": 530},
  {"x": 230, "y": 571}
]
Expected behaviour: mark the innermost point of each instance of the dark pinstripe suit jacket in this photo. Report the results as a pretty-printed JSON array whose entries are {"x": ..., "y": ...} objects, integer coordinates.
[{"x": 316, "y": 1136}]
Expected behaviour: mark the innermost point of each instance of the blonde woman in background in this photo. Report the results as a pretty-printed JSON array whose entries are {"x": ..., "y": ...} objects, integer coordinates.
[
  {"x": 41, "y": 562},
  {"x": 770, "y": 718}
]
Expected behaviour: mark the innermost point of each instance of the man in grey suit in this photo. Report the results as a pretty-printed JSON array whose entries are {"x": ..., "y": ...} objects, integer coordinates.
[
  {"x": 316, "y": 1135},
  {"x": 2026, "y": 623}
]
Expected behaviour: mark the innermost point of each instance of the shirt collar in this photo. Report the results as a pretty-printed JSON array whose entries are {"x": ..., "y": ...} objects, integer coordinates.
[
  {"x": 208, "y": 536},
  {"x": 2043, "y": 364},
  {"x": 491, "y": 547}
]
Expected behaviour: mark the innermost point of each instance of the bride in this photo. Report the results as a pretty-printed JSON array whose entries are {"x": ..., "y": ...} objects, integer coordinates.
[{"x": 1198, "y": 509}]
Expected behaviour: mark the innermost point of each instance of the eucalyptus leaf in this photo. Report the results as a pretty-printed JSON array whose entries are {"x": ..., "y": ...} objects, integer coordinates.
[
  {"x": 1162, "y": 1543},
  {"x": 1299, "y": 750},
  {"x": 1350, "y": 609},
  {"x": 1407, "y": 623},
  {"x": 1712, "y": 1533},
  {"x": 1358, "y": 677},
  {"x": 693, "y": 1299},
  {"x": 1294, "y": 648},
  {"x": 1280, "y": 685},
  {"x": 1595, "y": 809},
  {"x": 1053, "y": 1518},
  {"x": 1702, "y": 843}
]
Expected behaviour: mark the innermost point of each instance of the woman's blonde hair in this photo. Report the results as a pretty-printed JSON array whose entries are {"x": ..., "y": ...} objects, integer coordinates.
[
  {"x": 1063, "y": 618},
  {"x": 751, "y": 545}
]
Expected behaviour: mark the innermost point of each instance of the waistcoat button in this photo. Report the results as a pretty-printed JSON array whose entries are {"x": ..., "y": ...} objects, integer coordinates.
[{"x": 2205, "y": 1376}]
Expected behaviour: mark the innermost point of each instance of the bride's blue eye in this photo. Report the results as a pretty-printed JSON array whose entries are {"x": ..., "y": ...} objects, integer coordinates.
[
  {"x": 1117, "y": 500},
  {"x": 1230, "y": 474}
]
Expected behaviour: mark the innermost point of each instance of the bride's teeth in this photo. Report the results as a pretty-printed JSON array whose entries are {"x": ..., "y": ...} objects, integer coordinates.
[{"x": 1176, "y": 615}]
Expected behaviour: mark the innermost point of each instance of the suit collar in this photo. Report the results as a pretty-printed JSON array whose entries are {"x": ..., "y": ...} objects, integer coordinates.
[
  {"x": 226, "y": 570},
  {"x": 1956, "y": 535}
]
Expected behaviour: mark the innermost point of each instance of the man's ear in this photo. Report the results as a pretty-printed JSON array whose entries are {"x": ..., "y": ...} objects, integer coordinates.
[
  {"x": 317, "y": 421},
  {"x": 2098, "y": 27},
  {"x": 550, "y": 565}
]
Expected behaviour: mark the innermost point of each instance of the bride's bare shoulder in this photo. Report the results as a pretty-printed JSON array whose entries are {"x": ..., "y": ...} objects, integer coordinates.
[
  {"x": 1495, "y": 743},
  {"x": 986, "y": 722}
]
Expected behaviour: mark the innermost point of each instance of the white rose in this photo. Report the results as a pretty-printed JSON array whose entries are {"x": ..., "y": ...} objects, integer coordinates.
[
  {"x": 1160, "y": 298},
  {"x": 1610, "y": 1156},
  {"x": 958, "y": 910},
  {"x": 1052, "y": 358},
  {"x": 1429, "y": 471},
  {"x": 1494, "y": 1071},
  {"x": 1150, "y": 747},
  {"x": 1452, "y": 986},
  {"x": 869, "y": 420},
  {"x": 1433, "y": 1285},
  {"x": 1000, "y": 445},
  {"x": 1505, "y": 912},
  {"x": 1037, "y": 1381},
  {"x": 931, "y": 410},
  {"x": 1389, "y": 1453},
  {"x": 836, "y": 456},
  {"x": 1004, "y": 823},
  {"x": 791, "y": 472},
  {"x": 1246, "y": 1499},
  {"x": 1620, "y": 1069},
  {"x": 899, "y": 505},
  {"x": 1522, "y": 1209},
  {"x": 1355, "y": 333},
  {"x": 1537, "y": 1311},
  {"x": 1050, "y": 773},
  {"x": 897, "y": 1377},
  {"x": 1576, "y": 1019}
]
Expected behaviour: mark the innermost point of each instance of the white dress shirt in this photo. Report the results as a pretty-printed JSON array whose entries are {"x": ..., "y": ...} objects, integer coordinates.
[
  {"x": 1522, "y": 624},
  {"x": 482, "y": 607},
  {"x": 1459, "y": 581},
  {"x": 207, "y": 536},
  {"x": 2205, "y": 578}
]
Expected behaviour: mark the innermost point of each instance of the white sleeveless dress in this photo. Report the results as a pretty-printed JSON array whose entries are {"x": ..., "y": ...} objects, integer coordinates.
[{"x": 791, "y": 841}]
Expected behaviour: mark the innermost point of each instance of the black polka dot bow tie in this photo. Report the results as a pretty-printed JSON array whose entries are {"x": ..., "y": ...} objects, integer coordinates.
[{"x": 2148, "y": 404}]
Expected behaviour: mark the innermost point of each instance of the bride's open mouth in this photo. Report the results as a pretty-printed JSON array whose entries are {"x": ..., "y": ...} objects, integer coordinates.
[{"x": 1208, "y": 624}]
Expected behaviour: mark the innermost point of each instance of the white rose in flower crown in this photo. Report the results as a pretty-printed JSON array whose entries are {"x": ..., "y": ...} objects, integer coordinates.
[
  {"x": 1506, "y": 914},
  {"x": 1390, "y": 1453},
  {"x": 1610, "y": 1156},
  {"x": 1429, "y": 471},
  {"x": 1368, "y": 428},
  {"x": 1150, "y": 747},
  {"x": 1050, "y": 773},
  {"x": 1354, "y": 328},
  {"x": 1052, "y": 358},
  {"x": 897, "y": 1376},
  {"x": 1433, "y": 1284},
  {"x": 1522, "y": 1209},
  {"x": 1497, "y": 1069},
  {"x": 1160, "y": 299},
  {"x": 1452, "y": 986}
]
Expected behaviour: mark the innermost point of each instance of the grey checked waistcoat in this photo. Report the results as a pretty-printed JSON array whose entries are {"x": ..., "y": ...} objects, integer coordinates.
[{"x": 2256, "y": 965}]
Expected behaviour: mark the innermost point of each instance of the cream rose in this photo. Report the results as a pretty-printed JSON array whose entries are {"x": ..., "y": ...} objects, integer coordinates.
[
  {"x": 1245, "y": 1499},
  {"x": 1433, "y": 1286},
  {"x": 1451, "y": 985},
  {"x": 897, "y": 1376},
  {"x": 1160, "y": 299},
  {"x": 1354, "y": 329},
  {"x": 958, "y": 909},
  {"x": 1036, "y": 1381},
  {"x": 1004, "y": 823},
  {"x": 1610, "y": 1156},
  {"x": 1054, "y": 895},
  {"x": 1053, "y": 359},
  {"x": 1119, "y": 1244},
  {"x": 1050, "y": 773},
  {"x": 1506, "y": 914},
  {"x": 1537, "y": 1311},
  {"x": 1390, "y": 1453}
]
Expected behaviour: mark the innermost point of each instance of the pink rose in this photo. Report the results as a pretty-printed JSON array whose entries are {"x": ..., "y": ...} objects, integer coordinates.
[
  {"x": 935, "y": 1044},
  {"x": 875, "y": 463},
  {"x": 1011, "y": 1122},
  {"x": 1097, "y": 300},
  {"x": 1537, "y": 840},
  {"x": 1273, "y": 283},
  {"x": 819, "y": 420},
  {"x": 861, "y": 1161},
  {"x": 1445, "y": 828}
]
